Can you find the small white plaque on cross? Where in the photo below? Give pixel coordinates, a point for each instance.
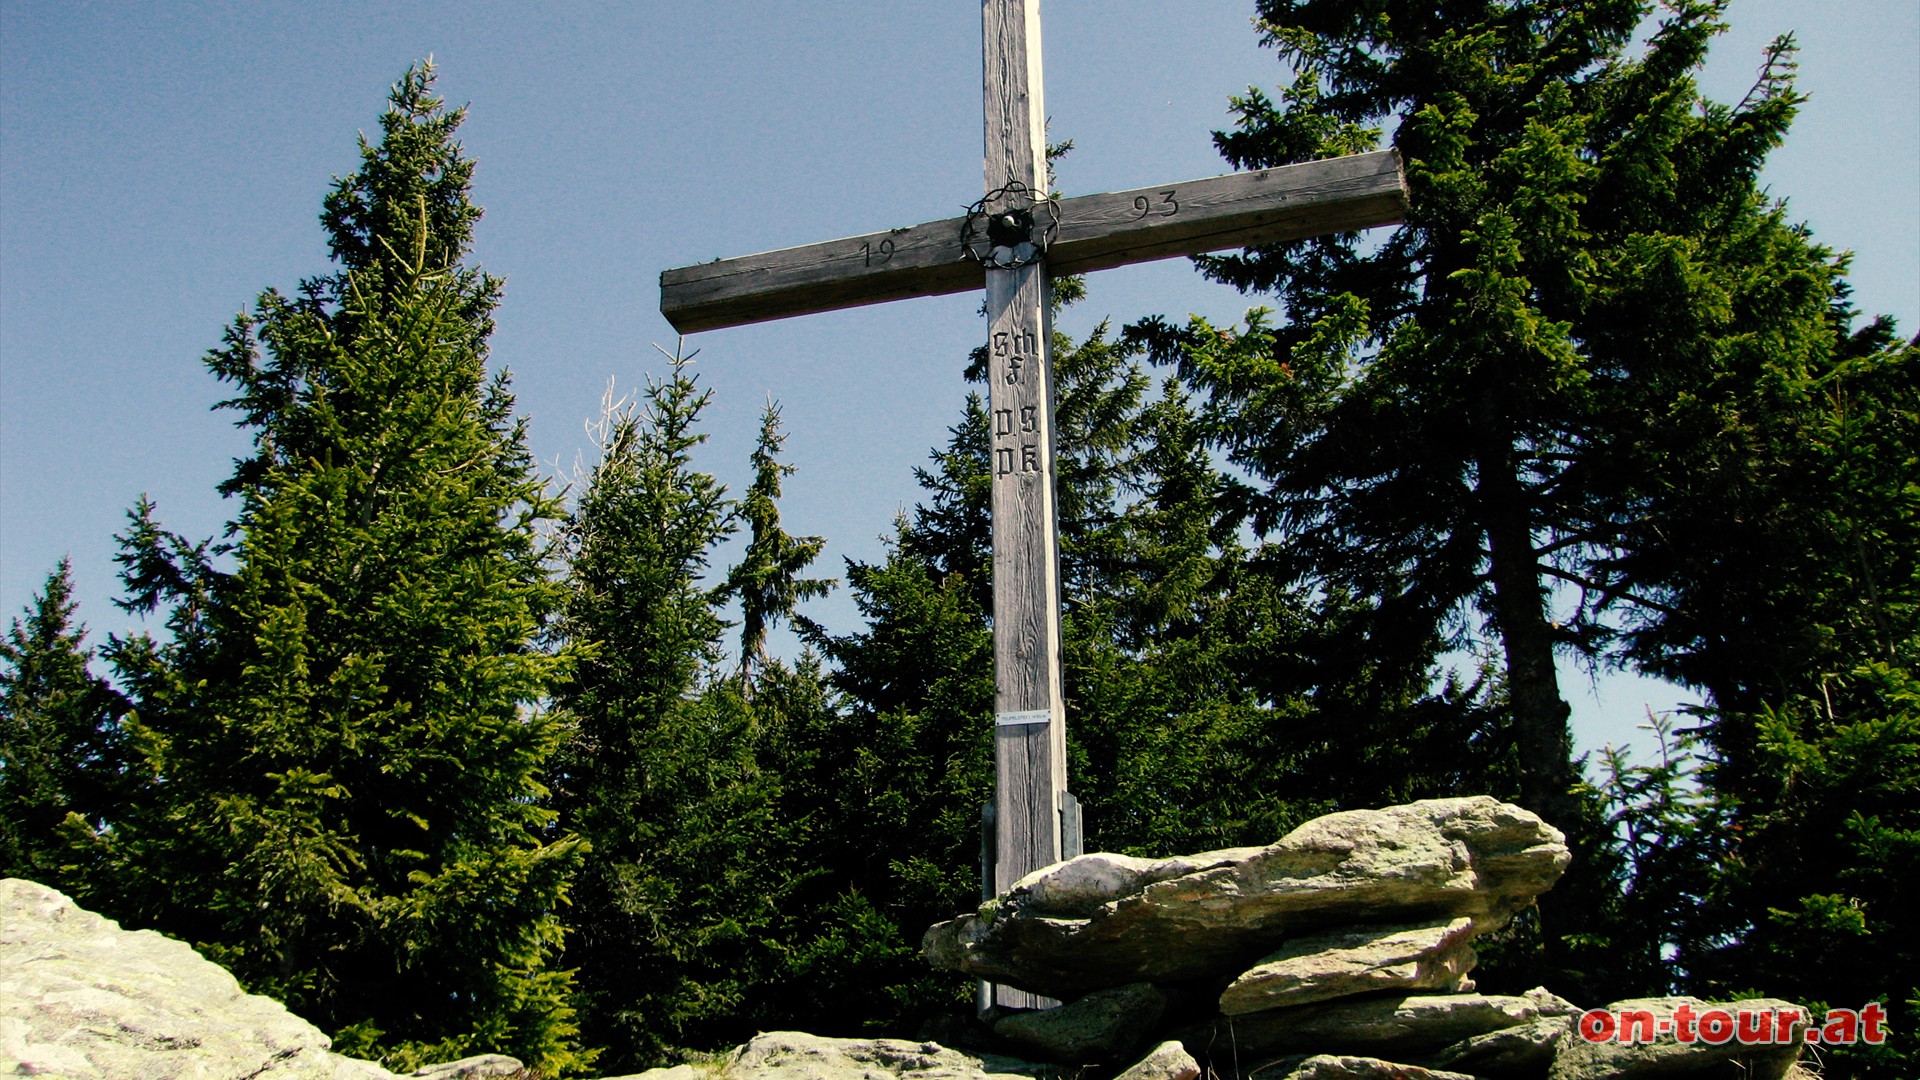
(1010, 245)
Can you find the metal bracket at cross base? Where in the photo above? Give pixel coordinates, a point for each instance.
(1073, 843)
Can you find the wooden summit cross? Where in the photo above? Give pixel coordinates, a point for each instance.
(1010, 242)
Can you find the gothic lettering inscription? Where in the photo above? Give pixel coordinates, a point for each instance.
(1011, 349)
(1029, 421)
(1015, 341)
(1019, 424)
(1029, 461)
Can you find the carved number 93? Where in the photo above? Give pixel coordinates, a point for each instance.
(877, 255)
(1143, 206)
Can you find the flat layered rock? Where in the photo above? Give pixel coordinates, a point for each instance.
(795, 1055)
(1104, 920)
(1515, 1053)
(1102, 1028)
(477, 1067)
(667, 1072)
(1398, 1026)
(1422, 956)
(81, 999)
(1168, 1061)
(1578, 1058)
(1338, 1067)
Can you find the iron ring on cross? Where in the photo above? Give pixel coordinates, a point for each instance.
(1006, 228)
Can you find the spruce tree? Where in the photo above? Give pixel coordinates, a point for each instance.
(907, 763)
(767, 579)
(1461, 417)
(1787, 594)
(342, 727)
(1420, 420)
(63, 750)
(679, 924)
(1599, 359)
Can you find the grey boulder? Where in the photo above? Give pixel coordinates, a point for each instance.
(1577, 1058)
(1338, 1067)
(477, 1067)
(1102, 1028)
(1397, 1026)
(794, 1055)
(1168, 1061)
(81, 998)
(1427, 956)
(1104, 920)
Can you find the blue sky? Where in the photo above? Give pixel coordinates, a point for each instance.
(160, 164)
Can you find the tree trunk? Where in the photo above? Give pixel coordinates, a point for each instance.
(1544, 741)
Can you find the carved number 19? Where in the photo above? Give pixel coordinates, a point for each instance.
(874, 255)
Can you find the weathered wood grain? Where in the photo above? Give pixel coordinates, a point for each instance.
(1030, 760)
(923, 260)
(1242, 209)
(1023, 767)
(1096, 232)
(1026, 577)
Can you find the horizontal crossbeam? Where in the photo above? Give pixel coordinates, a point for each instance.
(1095, 232)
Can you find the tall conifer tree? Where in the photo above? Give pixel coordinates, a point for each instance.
(63, 750)
(1594, 359)
(1784, 559)
(677, 918)
(342, 726)
(767, 579)
(1420, 423)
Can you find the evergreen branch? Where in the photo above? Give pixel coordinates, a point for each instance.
(1608, 593)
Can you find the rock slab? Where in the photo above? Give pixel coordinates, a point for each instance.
(1102, 1028)
(1518, 1052)
(1666, 1055)
(1391, 1026)
(1337, 1067)
(1168, 1061)
(1105, 920)
(477, 1067)
(794, 1055)
(82, 999)
(1427, 956)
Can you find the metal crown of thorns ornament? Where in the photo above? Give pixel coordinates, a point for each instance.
(1010, 226)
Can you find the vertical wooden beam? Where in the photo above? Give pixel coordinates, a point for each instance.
(1030, 722)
